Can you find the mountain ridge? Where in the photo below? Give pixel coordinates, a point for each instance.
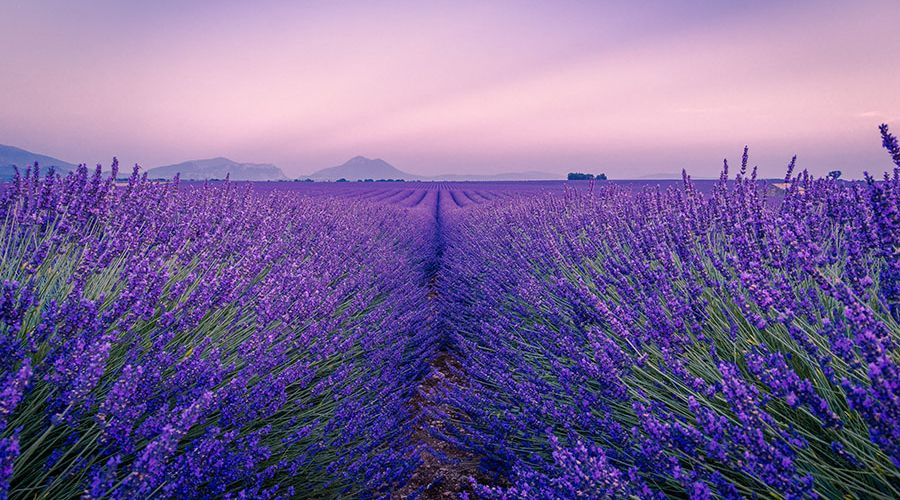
(356, 168)
(218, 168)
(361, 168)
(12, 156)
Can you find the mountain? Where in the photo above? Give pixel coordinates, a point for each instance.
(360, 167)
(218, 168)
(12, 156)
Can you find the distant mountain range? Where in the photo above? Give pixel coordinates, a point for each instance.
(218, 168)
(360, 167)
(11, 156)
(356, 168)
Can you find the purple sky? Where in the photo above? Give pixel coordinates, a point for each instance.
(629, 88)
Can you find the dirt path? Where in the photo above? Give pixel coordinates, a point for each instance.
(445, 469)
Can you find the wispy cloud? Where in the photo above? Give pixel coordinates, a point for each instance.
(877, 116)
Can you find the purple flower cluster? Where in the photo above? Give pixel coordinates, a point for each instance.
(738, 342)
(734, 338)
(184, 340)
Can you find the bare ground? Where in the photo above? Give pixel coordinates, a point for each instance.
(446, 469)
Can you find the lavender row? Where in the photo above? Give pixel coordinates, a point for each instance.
(184, 341)
(674, 342)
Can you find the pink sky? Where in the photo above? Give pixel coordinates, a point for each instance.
(454, 87)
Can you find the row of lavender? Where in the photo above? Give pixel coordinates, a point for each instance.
(205, 340)
(675, 343)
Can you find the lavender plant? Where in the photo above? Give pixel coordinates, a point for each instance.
(234, 340)
(675, 343)
(183, 341)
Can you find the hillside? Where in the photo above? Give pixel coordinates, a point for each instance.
(360, 167)
(12, 156)
(218, 168)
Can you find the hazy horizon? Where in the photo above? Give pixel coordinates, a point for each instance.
(454, 88)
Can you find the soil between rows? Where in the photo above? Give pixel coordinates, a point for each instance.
(445, 470)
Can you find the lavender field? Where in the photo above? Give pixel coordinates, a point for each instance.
(694, 339)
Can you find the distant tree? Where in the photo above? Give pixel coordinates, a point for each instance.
(600, 177)
(834, 174)
(578, 176)
(341, 180)
(368, 180)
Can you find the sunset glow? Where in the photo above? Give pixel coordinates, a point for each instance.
(453, 87)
